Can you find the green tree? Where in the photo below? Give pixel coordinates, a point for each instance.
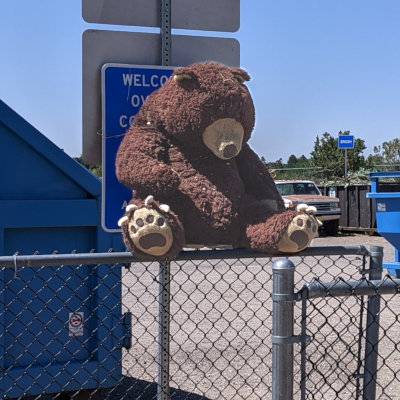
(95, 170)
(375, 159)
(292, 161)
(304, 161)
(277, 164)
(327, 155)
(389, 152)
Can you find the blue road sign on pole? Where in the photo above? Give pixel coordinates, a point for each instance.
(124, 90)
(346, 142)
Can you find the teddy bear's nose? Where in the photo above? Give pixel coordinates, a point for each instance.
(230, 151)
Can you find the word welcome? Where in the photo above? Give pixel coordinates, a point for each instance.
(142, 80)
(137, 100)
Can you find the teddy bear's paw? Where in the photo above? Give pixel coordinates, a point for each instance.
(299, 233)
(148, 230)
(306, 208)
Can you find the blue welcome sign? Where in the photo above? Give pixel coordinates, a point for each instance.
(124, 90)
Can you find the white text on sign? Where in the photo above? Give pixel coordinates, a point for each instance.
(136, 100)
(142, 80)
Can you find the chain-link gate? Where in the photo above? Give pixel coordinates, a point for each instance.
(199, 327)
(348, 335)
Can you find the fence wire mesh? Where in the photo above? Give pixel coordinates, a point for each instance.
(64, 328)
(334, 352)
(338, 325)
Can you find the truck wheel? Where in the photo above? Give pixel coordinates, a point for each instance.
(331, 227)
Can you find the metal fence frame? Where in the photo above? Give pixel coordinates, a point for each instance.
(283, 297)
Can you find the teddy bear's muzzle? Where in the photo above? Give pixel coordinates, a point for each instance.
(224, 137)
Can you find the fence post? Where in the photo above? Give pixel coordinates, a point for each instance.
(163, 392)
(282, 329)
(372, 328)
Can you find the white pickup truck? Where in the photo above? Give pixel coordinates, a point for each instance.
(295, 192)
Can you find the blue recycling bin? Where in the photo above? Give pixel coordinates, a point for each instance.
(387, 216)
(61, 327)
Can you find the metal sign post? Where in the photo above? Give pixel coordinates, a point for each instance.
(345, 142)
(165, 32)
(164, 316)
(124, 92)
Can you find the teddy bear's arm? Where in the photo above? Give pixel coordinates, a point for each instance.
(142, 163)
(256, 177)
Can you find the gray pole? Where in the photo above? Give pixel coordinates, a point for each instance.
(372, 331)
(345, 163)
(282, 329)
(163, 392)
(166, 32)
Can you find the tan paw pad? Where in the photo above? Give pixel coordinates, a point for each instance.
(299, 234)
(150, 232)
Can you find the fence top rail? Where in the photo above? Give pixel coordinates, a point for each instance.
(340, 288)
(110, 257)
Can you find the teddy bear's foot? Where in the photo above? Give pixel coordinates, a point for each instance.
(299, 233)
(147, 229)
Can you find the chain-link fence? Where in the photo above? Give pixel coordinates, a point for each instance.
(108, 326)
(351, 331)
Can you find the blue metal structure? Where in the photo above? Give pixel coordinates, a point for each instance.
(387, 216)
(49, 202)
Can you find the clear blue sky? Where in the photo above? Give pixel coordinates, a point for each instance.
(316, 66)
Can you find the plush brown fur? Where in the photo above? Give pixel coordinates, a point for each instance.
(213, 201)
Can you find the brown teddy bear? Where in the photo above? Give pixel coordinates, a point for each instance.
(196, 181)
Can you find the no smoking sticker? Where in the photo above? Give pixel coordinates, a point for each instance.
(75, 324)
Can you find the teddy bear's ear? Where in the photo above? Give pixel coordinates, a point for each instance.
(182, 77)
(241, 75)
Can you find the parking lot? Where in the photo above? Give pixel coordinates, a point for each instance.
(355, 239)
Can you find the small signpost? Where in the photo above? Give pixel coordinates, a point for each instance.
(106, 46)
(124, 90)
(345, 142)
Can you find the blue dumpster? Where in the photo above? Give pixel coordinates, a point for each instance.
(387, 216)
(49, 202)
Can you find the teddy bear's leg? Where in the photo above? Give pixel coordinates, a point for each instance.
(150, 228)
(287, 232)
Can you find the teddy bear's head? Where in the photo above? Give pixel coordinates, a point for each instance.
(203, 104)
